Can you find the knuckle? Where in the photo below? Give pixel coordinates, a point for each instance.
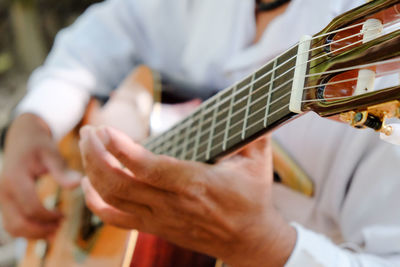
(154, 174)
(195, 189)
(13, 228)
(109, 198)
(30, 212)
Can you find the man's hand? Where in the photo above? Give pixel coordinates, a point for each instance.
(223, 210)
(29, 153)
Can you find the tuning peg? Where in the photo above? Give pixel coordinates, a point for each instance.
(391, 133)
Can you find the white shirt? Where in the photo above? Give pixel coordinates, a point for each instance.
(209, 42)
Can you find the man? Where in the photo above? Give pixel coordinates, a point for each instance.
(229, 210)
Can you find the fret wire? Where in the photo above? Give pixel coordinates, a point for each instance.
(156, 140)
(244, 98)
(280, 65)
(249, 127)
(160, 142)
(167, 140)
(228, 121)
(214, 118)
(157, 149)
(196, 146)
(288, 60)
(262, 119)
(251, 115)
(259, 99)
(186, 140)
(267, 107)
(176, 141)
(179, 130)
(251, 84)
(228, 127)
(238, 111)
(248, 106)
(192, 131)
(165, 146)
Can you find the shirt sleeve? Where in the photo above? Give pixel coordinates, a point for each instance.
(369, 218)
(315, 250)
(88, 58)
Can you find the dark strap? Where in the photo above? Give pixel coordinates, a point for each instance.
(262, 7)
(3, 133)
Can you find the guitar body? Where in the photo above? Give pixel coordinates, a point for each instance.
(82, 240)
(79, 241)
(108, 243)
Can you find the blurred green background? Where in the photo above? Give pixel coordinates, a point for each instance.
(27, 31)
(28, 28)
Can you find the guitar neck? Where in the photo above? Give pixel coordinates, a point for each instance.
(233, 117)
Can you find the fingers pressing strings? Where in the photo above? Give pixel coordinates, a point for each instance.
(155, 170)
(112, 181)
(112, 215)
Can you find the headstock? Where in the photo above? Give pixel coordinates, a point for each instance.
(346, 58)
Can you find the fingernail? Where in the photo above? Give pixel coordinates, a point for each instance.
(84, 132)
(102, 133)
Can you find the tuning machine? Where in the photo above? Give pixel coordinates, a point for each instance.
(375, 117)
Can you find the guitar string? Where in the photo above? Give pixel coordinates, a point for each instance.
(263, 110)
(238, 133)
(355, 35)
(256, 102)
(397, 59)
(239, 122)
(247, 128)
(285, 63)
(348, 80)
(252, 84)
(252, 104)
(258, 89)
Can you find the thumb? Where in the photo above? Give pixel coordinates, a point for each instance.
(56, 167)
(258, 148)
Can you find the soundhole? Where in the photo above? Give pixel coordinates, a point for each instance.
(89, 229)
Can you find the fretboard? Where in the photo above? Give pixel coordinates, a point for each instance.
(233, 117)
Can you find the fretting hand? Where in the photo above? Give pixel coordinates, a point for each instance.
(223, 210)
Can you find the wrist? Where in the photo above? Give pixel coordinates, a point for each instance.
(32, 123)
(26, 126)
(274, 245)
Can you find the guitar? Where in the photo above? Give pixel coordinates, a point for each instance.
(331, 73)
